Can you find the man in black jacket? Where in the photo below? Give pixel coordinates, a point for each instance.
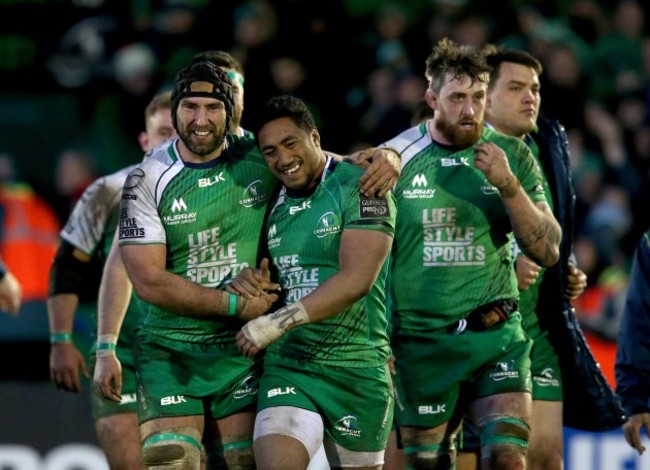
(633, 348)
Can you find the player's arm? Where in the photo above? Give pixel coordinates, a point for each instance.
(114, 297)
(383, 167)
(154, 284)
(67, 274)
(361, 257)
(533, 224)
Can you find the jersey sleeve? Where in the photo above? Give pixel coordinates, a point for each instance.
(369, 213)
(139, 221)
(529, 174)
(85, 227)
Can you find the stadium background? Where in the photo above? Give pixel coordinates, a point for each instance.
(75, 76)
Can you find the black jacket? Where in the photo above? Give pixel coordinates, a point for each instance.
(589, 402)
(633, 351)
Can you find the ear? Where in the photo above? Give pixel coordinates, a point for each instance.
(143, 140)
(432, 98)
(315, 137)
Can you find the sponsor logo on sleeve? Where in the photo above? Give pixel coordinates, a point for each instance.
(372, 207)
(135, 179)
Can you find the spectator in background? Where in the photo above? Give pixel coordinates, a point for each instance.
(74, 172)
(633, 355)
(10, 291)
(29, 233)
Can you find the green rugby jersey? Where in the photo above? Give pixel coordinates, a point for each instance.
(304, 238)
(528, 298)
(452, 249)
(208, 215)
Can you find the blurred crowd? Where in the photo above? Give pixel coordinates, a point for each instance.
(359, 64)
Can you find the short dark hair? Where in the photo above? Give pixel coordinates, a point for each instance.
(497, 55)
(221, 59)
(284, 106)
(459, 60)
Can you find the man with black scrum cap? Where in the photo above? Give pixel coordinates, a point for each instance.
(189, 222)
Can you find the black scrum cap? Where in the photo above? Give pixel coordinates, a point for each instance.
(203, 79)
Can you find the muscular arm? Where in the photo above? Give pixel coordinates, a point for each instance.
(145, 265)
(114, 293)
(535, 228)
(114, 297)
(361, 256)
(383, 167)
(154, 284)
(66, 274)
(533, 224)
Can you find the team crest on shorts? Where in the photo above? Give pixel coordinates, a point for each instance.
(347, 426)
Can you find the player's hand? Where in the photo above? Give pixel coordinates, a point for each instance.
(576, 282)
(391, 365)
(632, 430)
(493, 163)
(251, 283)
(258, 305)
(108, 377)
(65, 363)
(383, 168)
(527, 272)
(11, 294)
(245, 345)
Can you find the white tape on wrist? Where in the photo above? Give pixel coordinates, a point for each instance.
(267, 329)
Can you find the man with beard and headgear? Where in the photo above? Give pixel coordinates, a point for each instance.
(465, 192)
(189, 216)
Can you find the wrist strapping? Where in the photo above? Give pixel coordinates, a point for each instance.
(266, 329)
(59, 338)
(228, 304)
(106, 345)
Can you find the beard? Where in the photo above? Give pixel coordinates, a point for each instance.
(459, 137)
(203, 147)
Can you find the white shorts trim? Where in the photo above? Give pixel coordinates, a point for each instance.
(303, 425)
(307, 427)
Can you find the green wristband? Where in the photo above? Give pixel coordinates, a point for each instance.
(106, 346)
(232, 309)
(56, 338)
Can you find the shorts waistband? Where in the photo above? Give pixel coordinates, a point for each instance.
(486, 316)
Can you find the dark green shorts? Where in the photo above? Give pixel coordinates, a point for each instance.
(544, 368)
(183, 379)
(433, 365)
(356, 405)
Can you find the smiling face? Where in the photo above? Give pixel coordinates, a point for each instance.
(513, 100)
(293, 154)
(458, 111)
(201, 124)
